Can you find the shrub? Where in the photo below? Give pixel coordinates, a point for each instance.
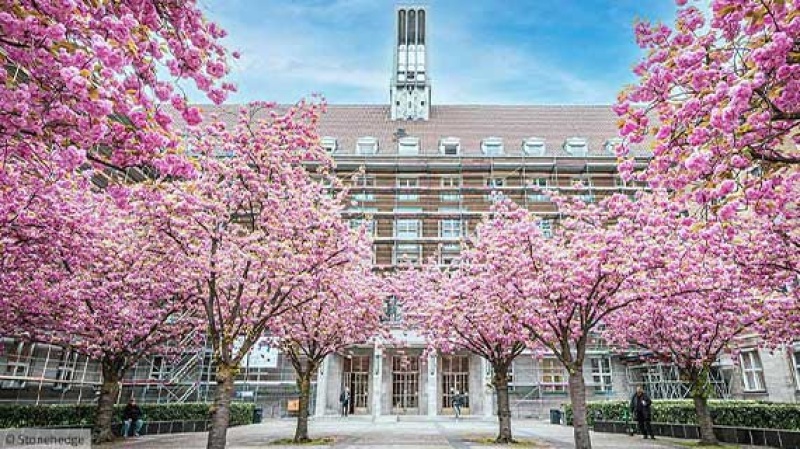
(765, 415)
(83, 415)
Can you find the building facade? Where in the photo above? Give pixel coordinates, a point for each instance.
(422, 176)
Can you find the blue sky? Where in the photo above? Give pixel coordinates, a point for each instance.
(491, 52)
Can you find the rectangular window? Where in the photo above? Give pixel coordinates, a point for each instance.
(17, 364)
(66, 370)
(356, 223)
(407, 253)
(450, 228)
(408, 146)
(553, 377)
(407, 229)
(407, 189)
(329, 144)
(367, 146)
(495, 183)
(492, 146)
(362, 187)
(159, 369)
(796, 358)
(391, 310)
(450, 146)
(752, 371)
(449, 254)
(546, 226)
(601, 374)
(451, 185)
(538, 189)
(583, 188)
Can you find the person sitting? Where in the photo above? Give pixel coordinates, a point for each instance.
(132, 414)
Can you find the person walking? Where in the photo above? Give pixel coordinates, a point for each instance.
(458, 402)
(640, 408)
(132, 414)
(344, 400)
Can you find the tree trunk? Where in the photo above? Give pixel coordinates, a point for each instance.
(577, 396)
(221, 410)
(301, 432)
(707, 436)
(503, 406)
(105, 402)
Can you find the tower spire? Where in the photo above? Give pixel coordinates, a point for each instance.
(410, 93)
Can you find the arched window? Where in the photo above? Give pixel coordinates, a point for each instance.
(421, 21)
(412, 27)
(401, 27)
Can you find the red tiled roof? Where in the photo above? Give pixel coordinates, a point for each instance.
(469, 123)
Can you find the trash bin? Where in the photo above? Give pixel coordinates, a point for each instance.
(258, 415)
(555, 416)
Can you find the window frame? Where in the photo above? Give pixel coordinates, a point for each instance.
(364, 182)
(600, 376)
(577, 146)
(405, 143)
(538, 196)
(329, 144)
(555, 371)
(407, 197)
(537, 143)
(796, 366)
(757, 372)
(367, 141)
(397, 258)
(447, 142)
(450, 196)
(496, 143)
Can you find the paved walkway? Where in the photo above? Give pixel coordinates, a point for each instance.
(359, 433)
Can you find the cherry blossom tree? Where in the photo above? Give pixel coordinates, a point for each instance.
(600, 259)
(252, 229)
(722, 302)
(459, 309)
(717, 101)
(115, 304)
(82, 84)
(343, 307)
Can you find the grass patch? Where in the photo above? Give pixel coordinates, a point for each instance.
(312, 442)
(518, 442)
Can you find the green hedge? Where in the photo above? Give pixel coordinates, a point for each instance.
(83, 415)
(757, 414)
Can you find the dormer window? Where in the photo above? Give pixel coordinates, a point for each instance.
(576, 146)
(612, 145)
(492, 146)
(533, 146)
(450, 146)
(367, 145)
(408, 146)
(329, 144)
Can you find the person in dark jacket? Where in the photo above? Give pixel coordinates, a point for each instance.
(344, 399)
(132, 414)
(640, 408)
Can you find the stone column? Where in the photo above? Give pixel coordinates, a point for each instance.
(433, 396)
(322, 387)
(486, 390)
(377, 380)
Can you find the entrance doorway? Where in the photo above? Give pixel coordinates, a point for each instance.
(405, 385)
(356, 377)
(455, 377)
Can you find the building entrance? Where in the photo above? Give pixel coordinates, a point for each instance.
(405, 385)
(455, 378)
(356, 377)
